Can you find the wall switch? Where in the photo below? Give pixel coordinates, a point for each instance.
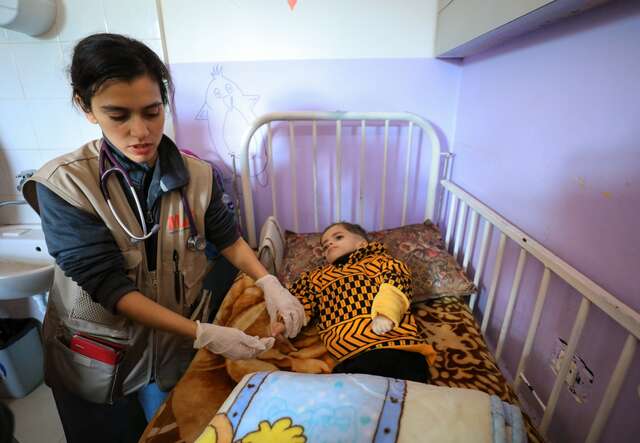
(579, 378)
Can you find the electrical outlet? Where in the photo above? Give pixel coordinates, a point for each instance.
(579, 378)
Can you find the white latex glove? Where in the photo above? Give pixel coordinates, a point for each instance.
(381, 325)
(231, 343)
(280, 301)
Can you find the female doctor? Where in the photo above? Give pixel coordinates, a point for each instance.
(126, 218)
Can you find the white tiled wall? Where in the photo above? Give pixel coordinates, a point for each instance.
(37, 119)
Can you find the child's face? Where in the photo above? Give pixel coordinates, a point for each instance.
(337, 241)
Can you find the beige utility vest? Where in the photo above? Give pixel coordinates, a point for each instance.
(148, 353)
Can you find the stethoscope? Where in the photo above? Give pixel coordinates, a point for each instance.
(195, 242)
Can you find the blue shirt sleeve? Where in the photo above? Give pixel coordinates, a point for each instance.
(84, 249)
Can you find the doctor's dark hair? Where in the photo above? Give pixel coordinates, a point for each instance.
(351, 227)
(101, 58)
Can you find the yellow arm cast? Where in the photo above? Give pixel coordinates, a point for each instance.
(390, 302)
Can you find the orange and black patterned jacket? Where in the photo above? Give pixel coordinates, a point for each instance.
(340, 296)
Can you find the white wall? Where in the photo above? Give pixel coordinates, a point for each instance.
(37, 120)
(241, 30)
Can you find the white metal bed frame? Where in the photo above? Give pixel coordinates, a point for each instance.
(460, 202)
(338, 117)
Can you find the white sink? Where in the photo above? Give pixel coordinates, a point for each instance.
(26, 268)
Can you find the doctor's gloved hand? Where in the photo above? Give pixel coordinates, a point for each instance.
(281, 305)
(231, 343)
(381, 324)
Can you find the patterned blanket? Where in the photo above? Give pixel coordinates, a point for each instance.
(463, 361)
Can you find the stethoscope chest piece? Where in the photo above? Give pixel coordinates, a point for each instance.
(196, 243)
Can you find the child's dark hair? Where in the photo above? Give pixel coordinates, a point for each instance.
(100, 58)
(351, 227)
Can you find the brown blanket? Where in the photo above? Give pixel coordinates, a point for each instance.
(463, 361)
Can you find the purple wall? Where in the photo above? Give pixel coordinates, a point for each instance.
(548, 135)
(216, 102)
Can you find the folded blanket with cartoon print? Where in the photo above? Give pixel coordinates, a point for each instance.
(287, 407)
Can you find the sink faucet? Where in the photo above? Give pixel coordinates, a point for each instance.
(22, 177)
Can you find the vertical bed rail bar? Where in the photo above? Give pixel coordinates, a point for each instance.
(447, 156)
(533, 327)
(452, 215)
(434, 172)
(363, 140)
(513, 297)
(272, 170)
(576, 332)
(613, 389)
(314, 142)
(294, 177)
(462, 218)
(338, 195)
(406, 176)
(494, 283)
(471, 240)
(384, 172)
(484, 249)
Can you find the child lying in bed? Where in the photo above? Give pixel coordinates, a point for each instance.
(360, 301)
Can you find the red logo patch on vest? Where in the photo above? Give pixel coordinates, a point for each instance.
(177, 222)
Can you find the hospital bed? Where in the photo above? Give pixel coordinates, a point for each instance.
(387, 172)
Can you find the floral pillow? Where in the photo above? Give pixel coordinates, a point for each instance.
(435, 272)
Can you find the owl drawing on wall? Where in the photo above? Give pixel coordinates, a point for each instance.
(229, 113)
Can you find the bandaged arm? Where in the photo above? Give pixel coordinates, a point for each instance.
(390, 302)
(394, 296)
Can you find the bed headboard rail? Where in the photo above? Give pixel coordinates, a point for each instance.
(339, 118)
(460, 202)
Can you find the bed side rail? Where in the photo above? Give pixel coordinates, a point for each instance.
(592, 294)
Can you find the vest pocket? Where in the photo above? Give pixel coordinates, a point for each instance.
(85, 309)
(90, 379)
(192, 282)
(101, 320)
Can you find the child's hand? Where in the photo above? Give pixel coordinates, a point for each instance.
(381, 324)
(281, 305)
(278, 329)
